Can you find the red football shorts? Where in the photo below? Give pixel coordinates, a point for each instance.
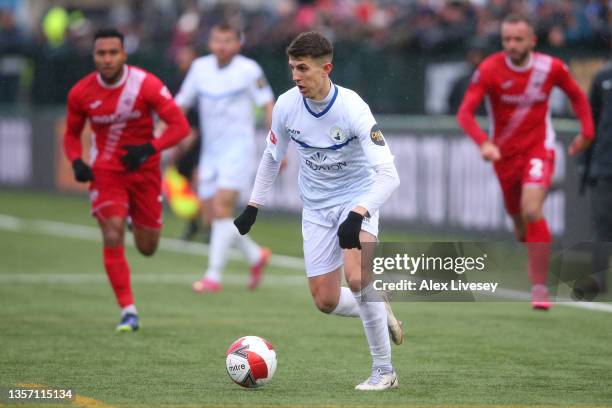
(137, 194)
(534, 168)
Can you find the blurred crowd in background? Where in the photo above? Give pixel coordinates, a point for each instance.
(53, 46)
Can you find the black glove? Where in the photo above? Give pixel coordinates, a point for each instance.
(348, 232)
(136, 155)
(245, 221)
(82, 172)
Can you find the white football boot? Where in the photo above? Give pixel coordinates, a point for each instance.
(378, 381)
(396, 329)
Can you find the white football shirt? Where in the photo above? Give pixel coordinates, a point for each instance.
(225, 99)
(338, 145)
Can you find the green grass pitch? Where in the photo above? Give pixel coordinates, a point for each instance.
(57, 315)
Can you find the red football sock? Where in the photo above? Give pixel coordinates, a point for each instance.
(538, 241)
(118, 272)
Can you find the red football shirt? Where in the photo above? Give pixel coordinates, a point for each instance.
(119, 115)
(517, 102)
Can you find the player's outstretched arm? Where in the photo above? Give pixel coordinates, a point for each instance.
(269, 167)
(75, 121)
(385, 181)
(177, 128)
(467, 111)
(266, 174)
(161, 101)
(580, 105)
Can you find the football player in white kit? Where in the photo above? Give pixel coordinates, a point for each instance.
(226, 86)
(346, 174)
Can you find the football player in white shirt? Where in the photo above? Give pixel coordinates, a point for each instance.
(225, 85)
(346, 174)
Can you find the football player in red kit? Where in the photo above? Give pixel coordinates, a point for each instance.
(119, 101)
(516, 83)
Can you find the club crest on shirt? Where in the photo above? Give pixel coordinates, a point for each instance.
(376, 136)
(337, 134)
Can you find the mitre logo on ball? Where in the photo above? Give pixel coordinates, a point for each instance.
(250, 361)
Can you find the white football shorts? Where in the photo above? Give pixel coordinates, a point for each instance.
(322, 252)
(233, 170)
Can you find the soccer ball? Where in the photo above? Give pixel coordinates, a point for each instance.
(250, 361)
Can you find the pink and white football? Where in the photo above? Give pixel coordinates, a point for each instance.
(250, 361)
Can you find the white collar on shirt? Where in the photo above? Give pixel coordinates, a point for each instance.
(118, 83)
(516, 68)
(319, 106)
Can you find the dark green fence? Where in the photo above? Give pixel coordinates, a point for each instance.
(391, 81)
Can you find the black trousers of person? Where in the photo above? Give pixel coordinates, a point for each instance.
(601, 216)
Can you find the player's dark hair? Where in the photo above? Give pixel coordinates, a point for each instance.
(108, 33)
(227, 26)
(310, 44)
(518, 18)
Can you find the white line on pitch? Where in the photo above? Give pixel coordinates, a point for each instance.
(144, 278)
(61, 229)
(65, 230)
(526, 296)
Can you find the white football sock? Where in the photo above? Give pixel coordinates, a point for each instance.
(347, 305)
(374, 317)
(221, 240)
(249, 248)
(129, 309)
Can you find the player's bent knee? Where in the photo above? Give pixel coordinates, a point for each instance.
(146, 240)
(112, 230)
(531, 214)
(147, 249)
(112, 238)
(326, 305)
